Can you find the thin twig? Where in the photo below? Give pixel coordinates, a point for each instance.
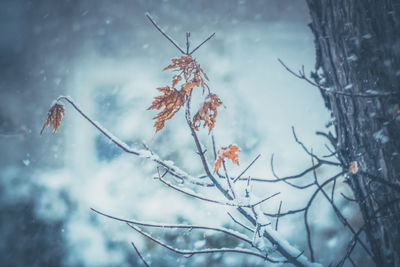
(350, 247)
(244, 171)
(340, 216)
(163, 33)
(327, 162)
(140, 255)
(277, 218)
(202, 251)
(348, 198)
(197, 47)
(187, 43)
(333, 190)
(301, 75)
(282, 214)
(212, 200)
(239, 223)
(229, 232)
(214, 146)
(265, 199)
(228, 179)
(284, 179)
(201, 197)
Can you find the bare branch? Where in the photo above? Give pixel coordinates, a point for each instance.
(244, 171)
(203, 251)
(340, 216)
(163, 33)
(277, 218)
(197, 47)
(301, 75)
(187, 43)
(347, 198)
(265, 199)
(239, 223)
(140, 255)
(229, 232)
(199, 196)
(312, 154)
(228, 179)
(350, 247)
(172, 169)
(284, 179)
(282, 214)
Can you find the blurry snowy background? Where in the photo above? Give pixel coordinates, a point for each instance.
(108, 57)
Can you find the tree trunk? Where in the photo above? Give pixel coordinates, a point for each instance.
(358, 50)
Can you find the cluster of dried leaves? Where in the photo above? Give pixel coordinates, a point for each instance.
(54, 117)
(189, 75)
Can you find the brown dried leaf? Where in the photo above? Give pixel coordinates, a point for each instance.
(207, 113)
(175, 80)
(54, 117)
(202, 72)
(226, 152)
(172, 100)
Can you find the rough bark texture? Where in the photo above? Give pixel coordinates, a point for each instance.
(358, 51)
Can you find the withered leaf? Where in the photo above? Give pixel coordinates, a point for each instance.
(172, 100)
(190, 75)
(175, 80)
(207, 113)
(229, 152)
(54, 117)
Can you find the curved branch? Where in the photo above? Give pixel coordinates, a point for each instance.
(173, 170)
(178, 226)
(190, 253)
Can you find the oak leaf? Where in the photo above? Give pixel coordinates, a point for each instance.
(172, 100)
(190, 76)
(54, 117)
(229, 152)
(207, 113)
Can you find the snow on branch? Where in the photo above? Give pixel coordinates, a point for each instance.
(169, 165)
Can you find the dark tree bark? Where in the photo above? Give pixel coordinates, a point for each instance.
(358, 51)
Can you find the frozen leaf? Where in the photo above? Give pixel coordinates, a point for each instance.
(226, 152)
(207, 113)
(54, 117)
